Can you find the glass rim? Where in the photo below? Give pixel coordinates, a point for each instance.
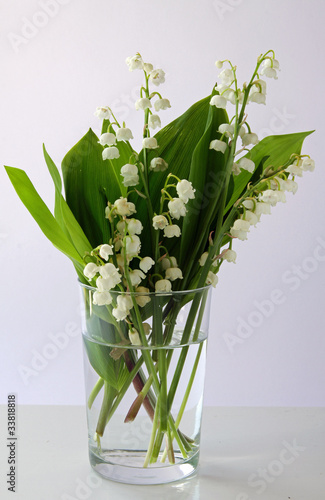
(155, 293)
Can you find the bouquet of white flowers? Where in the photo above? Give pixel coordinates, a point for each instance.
(147, 233)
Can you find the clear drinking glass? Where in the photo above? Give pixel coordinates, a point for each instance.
(144, 399)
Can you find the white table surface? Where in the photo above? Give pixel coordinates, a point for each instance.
(285, 445)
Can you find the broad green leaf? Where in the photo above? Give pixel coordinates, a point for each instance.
(277, 149)
(42, 215)
(113, 371)
(63, 214)
(207, 177)
(89, 182)
(177, 142)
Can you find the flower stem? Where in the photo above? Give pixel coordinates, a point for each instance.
(94, 393)
(109, 396)
(153, 435)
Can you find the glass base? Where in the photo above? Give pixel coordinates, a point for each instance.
(126, 466)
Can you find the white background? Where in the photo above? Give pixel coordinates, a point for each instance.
(53, 78)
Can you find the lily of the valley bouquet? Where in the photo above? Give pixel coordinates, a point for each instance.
(147, 233)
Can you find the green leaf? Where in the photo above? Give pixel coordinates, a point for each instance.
(90, 181)
(277, 149)
(207, 177)
(113, 371)
(177, 142)
(42, 215)
(63, 214)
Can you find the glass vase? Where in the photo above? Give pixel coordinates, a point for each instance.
(144, 379)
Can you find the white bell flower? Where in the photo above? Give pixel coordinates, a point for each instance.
(102, 298)
(120, 314)
(257, 97)
(259, 86)
(226, 129)
(163, 286)
(134, 226)
(136, 277)
(269, 68)
(172, 230)
(249, 138)
(203, 258)
(159, 222)
(123, 134)
(281, 196)
(257, 92)
(124, 305)
(134, 62)
(143, 298)
(162, 104)
(295, 169)
(158, 165)
(251, 217)
(230, 255)
(132, 245)
(157, 76)
(146, 263)
(102, 112)
(238, 233)
(111, 273)
(105, 251)
(177, 208)
(134, 337)
(241, 225)
(166, 263)
(230, 95)
(185, 190)
(90, 270)
(290, 186)
(218, 101)
(235, 170)
(218, 145)
(262, 208)
(249, 204)
(174, 273)
(154, 121)
(308, 164)
(246, 164)
(120, 226)
(130, 175)
(150, 143)
(240, 229)
(212, 279)
(148, 67)
(107, 139)
(272, 197)
(110, 153)
(226, 76)
(143, 103)
(124, 207)
(219, 64)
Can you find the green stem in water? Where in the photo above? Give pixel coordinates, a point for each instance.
(94, 393)
(153, 435)
(109, 396)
